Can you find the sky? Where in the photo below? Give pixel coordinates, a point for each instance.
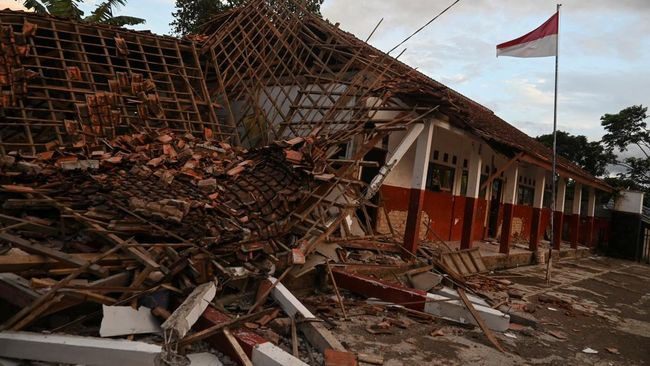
(604, 52)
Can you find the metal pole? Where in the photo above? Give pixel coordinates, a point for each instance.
(554, 169)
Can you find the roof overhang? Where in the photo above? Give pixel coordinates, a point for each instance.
(592, 182)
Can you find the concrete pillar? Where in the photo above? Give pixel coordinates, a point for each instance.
(536, 229)
(591, 213)
(475, 164)
(509, 201)
(418, 184)
(574, 227)
(558, 214)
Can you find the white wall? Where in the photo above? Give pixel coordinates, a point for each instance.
(400, 176)
(629, 201)
(276, 102)
(444, 141)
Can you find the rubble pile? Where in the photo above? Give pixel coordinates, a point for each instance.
(180, 237)
(208, 194)
(144, 219)
(156, 207)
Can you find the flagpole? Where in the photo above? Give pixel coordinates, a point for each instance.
(554, 168)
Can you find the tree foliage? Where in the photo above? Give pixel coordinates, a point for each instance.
(591, 156)
(191, 15)
(102, 14)
(627, 131)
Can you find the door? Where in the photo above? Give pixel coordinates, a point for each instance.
(495, 203)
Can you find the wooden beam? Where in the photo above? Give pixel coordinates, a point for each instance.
(488, 333)
(52, 253)
(18, 263)
(242, 357)
(501, 170)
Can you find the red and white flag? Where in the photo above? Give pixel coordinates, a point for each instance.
(541, 42)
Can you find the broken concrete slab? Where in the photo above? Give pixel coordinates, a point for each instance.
(455, 310)
(453, 294)
(184, 317)
(315, 332)
(519, 317)
(71, 349)
(289, 303)
(125, 320)
(268, 354)
(425, 281)
(204, 359)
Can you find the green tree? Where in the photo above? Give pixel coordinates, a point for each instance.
(627, 131)
(191, 15)
(102, 14)
(591, 156)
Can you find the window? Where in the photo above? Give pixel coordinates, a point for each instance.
(463, 183)
(483, 190)
(525, 195)
(547, 197)
(440, 178)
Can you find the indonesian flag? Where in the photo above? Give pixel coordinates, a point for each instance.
(541, 42)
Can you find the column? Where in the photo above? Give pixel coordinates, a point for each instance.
(558, 214)
(458, 174)
(536, 229)
(473, 186)
(574, 227)
(418, 183)
(591, 213)
(509, 201)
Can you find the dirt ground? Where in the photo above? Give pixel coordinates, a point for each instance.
(595, 303)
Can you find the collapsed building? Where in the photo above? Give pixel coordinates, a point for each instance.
(133, 163)
(470, 175)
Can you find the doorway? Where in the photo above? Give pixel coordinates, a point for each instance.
(367, 174)
(495, 204)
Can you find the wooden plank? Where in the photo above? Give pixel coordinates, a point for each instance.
(210, 331)
(18, 263)
(52, 253)
(29, 225)
(475, 256)
(458, 263)
(142, 256)
(467, 261)
(370, 245)
(488, 333)
(294, 338)
(449, 263)
(241, 355)
(27, 314)
(16, 290)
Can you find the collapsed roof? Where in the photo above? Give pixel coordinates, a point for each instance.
(264, 45)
